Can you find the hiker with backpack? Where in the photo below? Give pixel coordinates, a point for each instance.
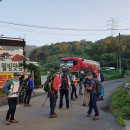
(64, 89)
(29, 87)
(81, 81)
(93, 96)
(73, 84)
(97, 79)
(86, 94)
(53, 93)
(21, 89)
(102, 90)
(11, 88)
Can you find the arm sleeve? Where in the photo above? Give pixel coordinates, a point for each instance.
(56, 83)
(5, 87)
(31, 82)
(69, 81)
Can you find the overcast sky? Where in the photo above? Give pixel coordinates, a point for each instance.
(96, 16)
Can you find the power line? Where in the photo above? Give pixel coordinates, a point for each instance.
(51, 28)
(48, 33)
(113, 29)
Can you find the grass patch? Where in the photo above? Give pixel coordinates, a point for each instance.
(121, 105)
(113, 74)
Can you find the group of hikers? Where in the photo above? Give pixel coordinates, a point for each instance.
(90, 87)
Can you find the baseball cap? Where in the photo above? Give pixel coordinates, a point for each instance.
(89, 74)
(16, 74)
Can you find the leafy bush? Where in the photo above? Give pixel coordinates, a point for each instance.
(37, 76)
(109, 75)
(121, 105)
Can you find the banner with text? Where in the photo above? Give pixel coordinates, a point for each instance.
(11, 61)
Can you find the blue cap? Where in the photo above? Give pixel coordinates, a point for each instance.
(89, 74)
(16, 74)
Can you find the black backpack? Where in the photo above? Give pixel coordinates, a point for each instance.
(98, 87)
(64, 81)
(25, 85)
(86, 82)
(48, 84)
(102, 77)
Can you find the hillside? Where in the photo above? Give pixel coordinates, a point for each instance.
(105, 51)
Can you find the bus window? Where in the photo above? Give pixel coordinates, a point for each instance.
(75, 63)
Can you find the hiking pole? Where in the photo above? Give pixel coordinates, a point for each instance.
(34, 94)
(70, 96)
(45, 101)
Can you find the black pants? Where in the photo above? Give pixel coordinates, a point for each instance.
(12, 102)
(21, 96)
(93, 104)
(53, 99)
(73, 92)
(27, 97)
(80, 87)
(62, 93)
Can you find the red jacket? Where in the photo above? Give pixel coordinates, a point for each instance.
(56, 82)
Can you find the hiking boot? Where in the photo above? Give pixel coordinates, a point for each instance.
(53, 116)
(101, 98)
(7, 122)
(67, 108)
(14, 121)
(84, 105)
(76, 96)
(98, 99)
(88, 115)
(96, 118)
(60, 108)
(28, 105)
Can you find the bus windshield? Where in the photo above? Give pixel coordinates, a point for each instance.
(66, 63)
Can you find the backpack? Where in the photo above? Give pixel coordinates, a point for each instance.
(8, 80)
(64, 81)
(25, 85)
(48, 83)
(98, 87)
(102, 77)
(86, 82)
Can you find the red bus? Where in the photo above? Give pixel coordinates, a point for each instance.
(77, 63)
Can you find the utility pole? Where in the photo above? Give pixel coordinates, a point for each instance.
(112, 24)
(117, 59)
(112, 27)
(120, 67)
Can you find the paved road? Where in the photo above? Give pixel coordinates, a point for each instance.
(36, 117)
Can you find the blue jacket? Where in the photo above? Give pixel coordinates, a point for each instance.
(11, 87)
(31, 84)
